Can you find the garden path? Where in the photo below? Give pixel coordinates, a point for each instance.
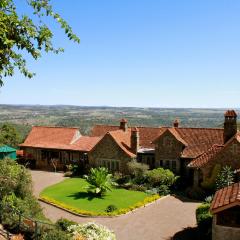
(160, 220)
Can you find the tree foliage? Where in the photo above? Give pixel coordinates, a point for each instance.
(159, 176)
(19, 34)
(100, 181)
(225, 178)
(16, 193)
(9, 135)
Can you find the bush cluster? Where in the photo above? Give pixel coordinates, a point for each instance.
(204, 220)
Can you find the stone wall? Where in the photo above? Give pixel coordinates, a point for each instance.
(230, 156)
(167, 150)
(109, 150)
(224, 233)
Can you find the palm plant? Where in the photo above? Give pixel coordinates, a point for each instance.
(100, 181)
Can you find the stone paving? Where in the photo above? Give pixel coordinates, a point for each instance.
(160, 220)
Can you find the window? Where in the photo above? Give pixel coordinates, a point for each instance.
(174, 166)
(110, 164)
(161, 163)
(167, 164)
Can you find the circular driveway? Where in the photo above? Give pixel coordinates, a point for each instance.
(160, 220)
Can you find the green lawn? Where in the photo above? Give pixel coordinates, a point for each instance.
(72, 193)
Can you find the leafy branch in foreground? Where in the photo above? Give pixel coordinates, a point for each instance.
(19, 34)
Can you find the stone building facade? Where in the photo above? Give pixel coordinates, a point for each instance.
(107, 153)
(207, 165)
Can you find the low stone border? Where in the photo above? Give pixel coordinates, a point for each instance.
(103, 216)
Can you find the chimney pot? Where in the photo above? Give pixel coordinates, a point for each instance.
(123, 125)
(176, 123)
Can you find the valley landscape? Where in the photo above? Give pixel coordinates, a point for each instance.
(23, 117)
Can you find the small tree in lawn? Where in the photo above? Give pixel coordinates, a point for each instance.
(225, 178)
(100, 181)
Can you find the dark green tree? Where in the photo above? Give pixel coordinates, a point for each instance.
(9, 135)
(23, 33)
(225, 178)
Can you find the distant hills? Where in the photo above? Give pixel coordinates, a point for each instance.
(25, 116)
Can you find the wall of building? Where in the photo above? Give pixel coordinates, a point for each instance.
(108, 150)
(224, 233)
(230, 156)
(167, 151)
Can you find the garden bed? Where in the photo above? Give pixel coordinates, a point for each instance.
(71, 194)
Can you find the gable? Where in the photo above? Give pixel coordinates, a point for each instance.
(168, 136)
(108, 147)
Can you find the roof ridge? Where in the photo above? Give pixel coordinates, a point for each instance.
(55, 127)
(154, 127)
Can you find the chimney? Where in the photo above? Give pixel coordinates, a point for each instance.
(135, 140)
(230, 125)
(123, 125)
(176, 123)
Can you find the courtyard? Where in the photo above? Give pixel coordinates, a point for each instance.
(160, 220)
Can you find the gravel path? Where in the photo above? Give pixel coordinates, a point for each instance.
(160, 220)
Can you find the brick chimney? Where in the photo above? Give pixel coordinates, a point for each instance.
(176, 123)
(230, 124)
(135, 139)
(123, 125)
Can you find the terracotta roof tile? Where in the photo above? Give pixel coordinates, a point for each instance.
(196, 140)
(225, 198)
(123, 139)
(207, 156)
(59, 138)
(146, 134)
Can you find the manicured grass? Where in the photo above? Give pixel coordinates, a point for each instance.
(72, 192)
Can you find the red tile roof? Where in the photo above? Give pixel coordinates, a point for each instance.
(123, 139)
(226, 198)
(174, 133)
(146, 134)
(85, 143)
(207, 156)
(196, 140)
(58, 138)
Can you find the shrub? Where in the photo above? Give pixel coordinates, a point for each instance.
(195, 193)
(27, 207)
(160, 176)
(16, 193)
(225, 177)
(152, 191)
(55, 234)
(163, 190)
(137, 170)
(100, 181)
(111, 208)
(204, 220)
(91, 231)
(15, 179)
(64, 223)
(208, 199)
(136, 187)
(68, 174)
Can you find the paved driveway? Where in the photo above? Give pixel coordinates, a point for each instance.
(160, 220)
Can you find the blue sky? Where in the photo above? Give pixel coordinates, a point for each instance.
(158, 53)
